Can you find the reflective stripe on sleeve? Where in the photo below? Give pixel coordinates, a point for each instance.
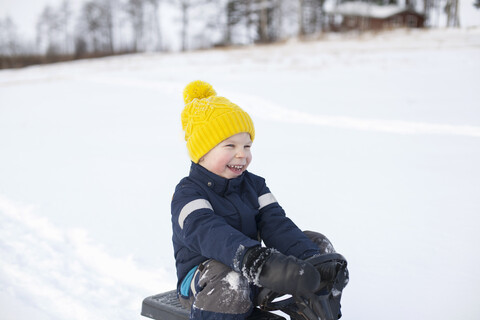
(192, 206)
(265, 200)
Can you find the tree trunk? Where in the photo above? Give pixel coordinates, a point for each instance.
(184, 25)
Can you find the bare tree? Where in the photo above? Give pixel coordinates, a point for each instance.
(135, 11)
(311, 17)
(185, 7)
(301, 19)
(265, 16)
(108, 11)
(154, 16)
(233, 15)
(239, 18)
(54, 29)
(451, 10)
(95, 29)
(64, 17)
(9, 45)
(48, 31)
(261, 19)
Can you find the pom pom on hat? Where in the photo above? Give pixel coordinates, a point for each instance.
(197, 90)
(208, 119)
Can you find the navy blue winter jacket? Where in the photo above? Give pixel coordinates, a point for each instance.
(218, 218)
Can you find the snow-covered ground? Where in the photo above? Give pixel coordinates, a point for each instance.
(373, 141)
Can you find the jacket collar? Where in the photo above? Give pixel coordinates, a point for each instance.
(214, 182)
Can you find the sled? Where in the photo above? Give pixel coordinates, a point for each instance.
(165, 306)
(326, 306)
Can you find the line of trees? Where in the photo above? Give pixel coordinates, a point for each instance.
(433, 10)
(105, 27)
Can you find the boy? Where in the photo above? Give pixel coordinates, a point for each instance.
(221, 213)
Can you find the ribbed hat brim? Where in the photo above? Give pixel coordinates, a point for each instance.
(207, 135)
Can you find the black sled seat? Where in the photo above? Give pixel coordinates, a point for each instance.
(165, 306)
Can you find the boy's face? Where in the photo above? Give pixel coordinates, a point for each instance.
(230, 158)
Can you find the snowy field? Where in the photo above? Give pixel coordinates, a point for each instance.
(373, 141)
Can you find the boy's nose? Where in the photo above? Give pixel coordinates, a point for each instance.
(241, 154)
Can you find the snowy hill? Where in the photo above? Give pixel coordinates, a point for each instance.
(373, 141)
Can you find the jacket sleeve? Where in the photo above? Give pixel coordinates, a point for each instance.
(278, 231)
(201, 230)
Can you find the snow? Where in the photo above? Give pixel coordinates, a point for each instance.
(373, 141)
(365, 9)
(233, 281)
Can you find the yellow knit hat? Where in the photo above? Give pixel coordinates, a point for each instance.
(208, 119)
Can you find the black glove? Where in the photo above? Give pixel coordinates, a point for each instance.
(331, 266)
(279, 273)
(327, 270)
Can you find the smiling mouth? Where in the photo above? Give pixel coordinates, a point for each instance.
(236, 168)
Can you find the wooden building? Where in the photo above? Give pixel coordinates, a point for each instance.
(366, 16)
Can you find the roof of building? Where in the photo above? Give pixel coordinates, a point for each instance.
(365, 9)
